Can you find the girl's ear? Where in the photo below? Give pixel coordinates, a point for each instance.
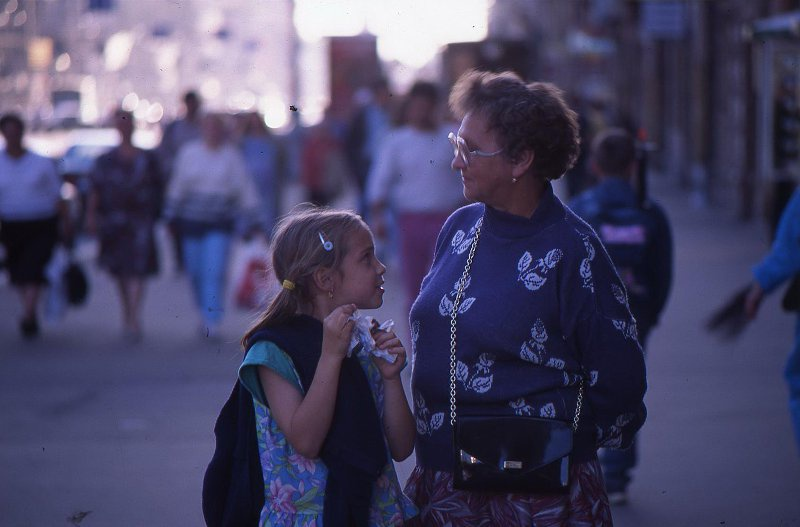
(523, 163)
(323, 278)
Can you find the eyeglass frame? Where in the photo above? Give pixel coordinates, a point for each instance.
(461, 149)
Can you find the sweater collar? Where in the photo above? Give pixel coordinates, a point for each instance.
(505, 225)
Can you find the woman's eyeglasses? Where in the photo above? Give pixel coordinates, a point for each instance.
(461, 150)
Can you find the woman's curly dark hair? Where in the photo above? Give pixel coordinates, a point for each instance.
(531, 116)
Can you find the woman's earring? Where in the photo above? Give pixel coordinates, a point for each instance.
(330, 294)
(514, 180)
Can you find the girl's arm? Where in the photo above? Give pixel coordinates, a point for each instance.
(305, 421)
(398, 422)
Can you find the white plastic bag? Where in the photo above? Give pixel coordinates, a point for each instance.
(55, 301)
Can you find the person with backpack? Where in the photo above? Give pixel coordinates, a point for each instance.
(326, 416)
(637, 235)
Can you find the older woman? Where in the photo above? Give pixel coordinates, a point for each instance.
(541, 316)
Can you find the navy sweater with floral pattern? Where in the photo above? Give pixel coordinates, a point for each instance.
(543, 306)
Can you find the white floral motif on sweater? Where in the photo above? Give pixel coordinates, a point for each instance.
(427, 424)
(586, 264)
(461, 241)
(611, 437)
(628, 328)
(480, 380)
(446, 303)
(533, 350)
(534, 274)
(619, 294)
(521, 407)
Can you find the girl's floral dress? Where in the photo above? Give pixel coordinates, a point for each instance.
(294, 486)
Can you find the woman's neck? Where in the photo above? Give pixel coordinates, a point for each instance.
(523, 197)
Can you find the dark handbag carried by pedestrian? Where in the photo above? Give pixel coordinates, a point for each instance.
(507, 453)
(76, 283)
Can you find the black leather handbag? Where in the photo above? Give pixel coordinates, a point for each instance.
(507, 453)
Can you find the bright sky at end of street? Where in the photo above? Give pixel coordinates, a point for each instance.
(408, 31)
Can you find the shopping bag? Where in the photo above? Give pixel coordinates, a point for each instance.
(253, 287)
(55, 300)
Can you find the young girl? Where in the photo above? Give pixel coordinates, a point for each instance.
(327, 420)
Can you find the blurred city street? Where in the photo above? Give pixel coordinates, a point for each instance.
(97, 432)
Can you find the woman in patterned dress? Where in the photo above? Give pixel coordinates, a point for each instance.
(122, 210)
(542, 313)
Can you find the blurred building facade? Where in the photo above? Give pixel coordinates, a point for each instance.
(699, 77)
(56, 54)
(691, 74)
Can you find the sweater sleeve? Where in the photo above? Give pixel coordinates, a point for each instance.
(603, 332)
(783, 259)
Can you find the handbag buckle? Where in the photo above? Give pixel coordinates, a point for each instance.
(512, 465)
(468, 459)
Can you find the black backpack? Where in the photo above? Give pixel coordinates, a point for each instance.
(627, 234)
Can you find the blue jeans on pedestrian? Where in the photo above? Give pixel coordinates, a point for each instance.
(205, 258)
(792, 375)
(617, 465)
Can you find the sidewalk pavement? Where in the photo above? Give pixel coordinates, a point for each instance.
(97, 432)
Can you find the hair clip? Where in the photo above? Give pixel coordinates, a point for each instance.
(327, 245)
(288, 285)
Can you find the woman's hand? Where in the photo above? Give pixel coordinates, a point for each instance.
(337, 329)
(388, 341)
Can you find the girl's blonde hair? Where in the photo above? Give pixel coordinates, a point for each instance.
(299, 249)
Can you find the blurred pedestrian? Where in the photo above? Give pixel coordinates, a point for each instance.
(323, 166)
(365, 133)
(210, 198)
(779, 265)
(638, 238)
(413, 178)
(176, 134)
(521, 316)
(123, 207)
(30, 207)
(325, 423)
(263, 157)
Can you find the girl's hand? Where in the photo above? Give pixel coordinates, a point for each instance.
(336, 331)
(388, 341)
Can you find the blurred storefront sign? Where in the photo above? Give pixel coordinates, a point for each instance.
(666, 19)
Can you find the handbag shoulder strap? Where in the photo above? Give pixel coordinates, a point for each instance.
(453, 315)
(456, 304)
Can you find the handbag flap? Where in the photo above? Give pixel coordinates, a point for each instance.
(512, 442)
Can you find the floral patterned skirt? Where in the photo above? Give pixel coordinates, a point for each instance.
(586, 504)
